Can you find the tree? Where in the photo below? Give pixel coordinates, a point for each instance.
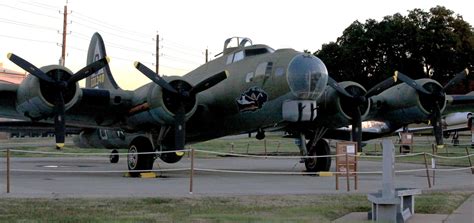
(435, 44)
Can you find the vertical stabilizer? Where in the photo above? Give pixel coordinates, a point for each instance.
(103, 78)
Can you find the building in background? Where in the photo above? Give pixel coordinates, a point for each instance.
(9, 77)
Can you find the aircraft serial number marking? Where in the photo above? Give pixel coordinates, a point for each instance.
(97, 79)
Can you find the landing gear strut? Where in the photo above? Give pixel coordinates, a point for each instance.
(316, 147)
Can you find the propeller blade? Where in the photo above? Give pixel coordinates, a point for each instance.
(333, 83)
(208, 83)
(458, 78)
(382, 86)
(30, 68)
(59, 121)
(88, 70)
(180, 127)
(154, 77)
(411, 83)
(357, 129)
(437, 125)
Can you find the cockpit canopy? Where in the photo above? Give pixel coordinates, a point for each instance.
(243, 49)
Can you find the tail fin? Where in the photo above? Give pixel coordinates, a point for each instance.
(103, 78)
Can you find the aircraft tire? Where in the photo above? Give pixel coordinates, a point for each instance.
(114, 157)
(137, 161)
(320, 163)
(170, 157)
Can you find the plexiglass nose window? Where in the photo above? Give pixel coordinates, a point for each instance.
(307, 76)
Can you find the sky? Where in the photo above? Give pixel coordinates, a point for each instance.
(32, 28)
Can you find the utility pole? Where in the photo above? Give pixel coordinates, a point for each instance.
(207, 53)
(157, 53)
(63, 50)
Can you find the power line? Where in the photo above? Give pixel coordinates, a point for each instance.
(179, 59)
(181, 51)
(116, 35)
(40, 5)
(29, 25)
(26, 39)
(28, 11)
(108, 26)
(180, 45)
(112, 44)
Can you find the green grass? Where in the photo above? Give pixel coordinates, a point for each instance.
(286, 208)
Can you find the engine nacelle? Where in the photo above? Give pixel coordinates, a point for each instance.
(334, 109)
(402, 103)
(160, 106)
(36, 98)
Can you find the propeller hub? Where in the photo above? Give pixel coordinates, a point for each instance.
(172, 101)
(50, 90)
(349, 105)
(437, 97)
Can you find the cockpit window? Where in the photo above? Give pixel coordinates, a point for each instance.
(238, 56)
(253, 52)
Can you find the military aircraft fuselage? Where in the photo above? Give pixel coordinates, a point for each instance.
(259, 81)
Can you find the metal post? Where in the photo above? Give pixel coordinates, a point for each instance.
(469, 158)
(427, 171)
(207, 53)
(347, 172)
(8, 170)
(191, 172)
(433, 161)
(388, 187)
(356, 178)
(248, 145)
(265, 147)
(278, 146)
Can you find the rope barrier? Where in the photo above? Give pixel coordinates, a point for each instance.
(257, 156)
(450, 157)
(231, 171)
(99, 171)
(94, 154)
(234, 154)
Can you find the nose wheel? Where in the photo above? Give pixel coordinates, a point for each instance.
(318, 164)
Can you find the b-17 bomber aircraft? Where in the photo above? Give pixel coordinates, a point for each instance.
(248, 88)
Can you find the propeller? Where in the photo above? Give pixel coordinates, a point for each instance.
(356, 99)
(183, 94)
(60, 84)
(433, 94)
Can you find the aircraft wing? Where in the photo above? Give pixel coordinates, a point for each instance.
(92, 108)
(25, 126)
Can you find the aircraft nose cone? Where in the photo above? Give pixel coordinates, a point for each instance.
(307, 76)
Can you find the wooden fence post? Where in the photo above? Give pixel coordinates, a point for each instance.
(427, 171)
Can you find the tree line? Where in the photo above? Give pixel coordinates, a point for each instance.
(423, 44)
